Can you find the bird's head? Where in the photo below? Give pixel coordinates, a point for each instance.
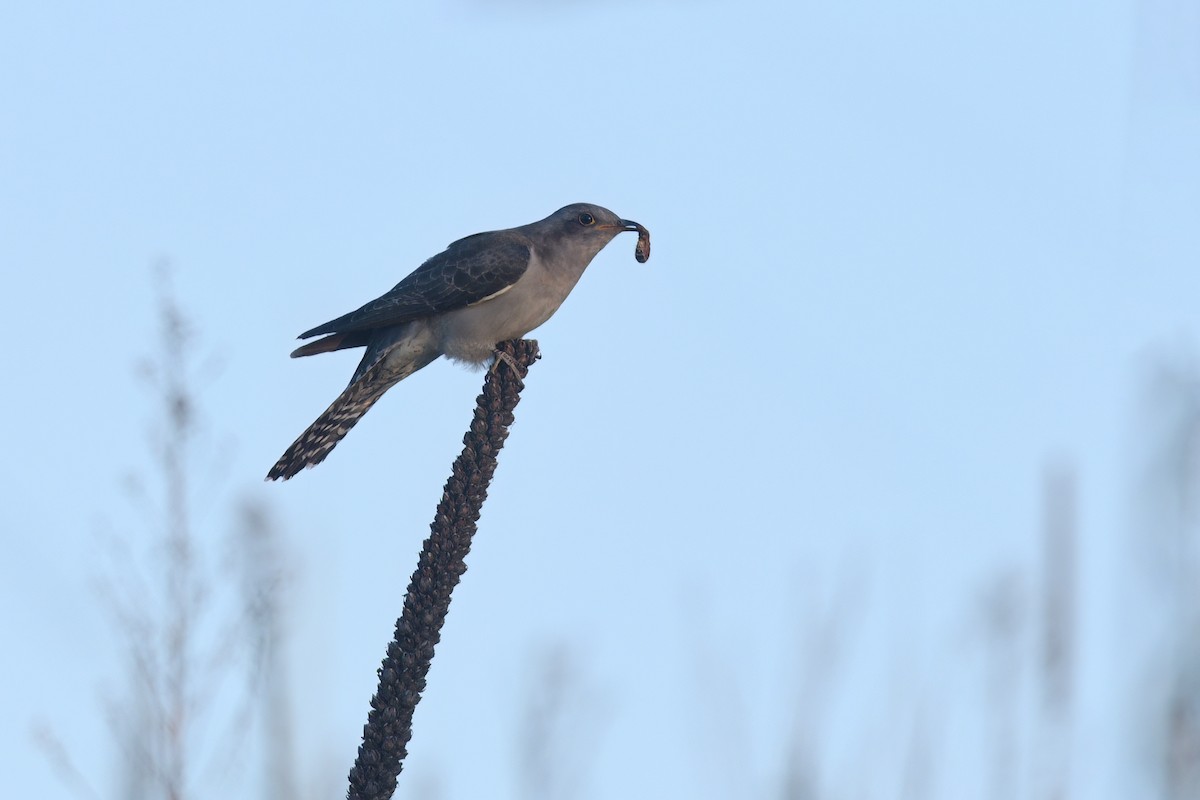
(587, 227)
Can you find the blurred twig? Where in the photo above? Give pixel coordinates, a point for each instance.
(175, 616)
(1170, 493)
(560, 726)
(1058, 631)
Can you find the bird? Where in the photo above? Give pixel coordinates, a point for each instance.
(481, 290)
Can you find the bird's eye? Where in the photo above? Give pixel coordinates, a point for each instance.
(587, 219)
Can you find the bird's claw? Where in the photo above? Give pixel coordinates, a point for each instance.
(501, 356)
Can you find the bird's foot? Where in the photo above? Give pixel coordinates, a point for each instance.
(501, 357)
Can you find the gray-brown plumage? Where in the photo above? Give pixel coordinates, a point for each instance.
(480, 291)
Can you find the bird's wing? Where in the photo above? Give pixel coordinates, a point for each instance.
(469, 271)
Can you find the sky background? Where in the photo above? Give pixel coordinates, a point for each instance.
(908, 260)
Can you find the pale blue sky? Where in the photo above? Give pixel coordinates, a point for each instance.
(905, 257)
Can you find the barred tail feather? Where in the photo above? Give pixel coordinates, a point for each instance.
(323, 435)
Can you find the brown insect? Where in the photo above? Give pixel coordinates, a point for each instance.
(641, 251)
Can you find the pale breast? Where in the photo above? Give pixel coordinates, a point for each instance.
(470, 334)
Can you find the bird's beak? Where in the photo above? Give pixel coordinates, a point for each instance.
(625, 225)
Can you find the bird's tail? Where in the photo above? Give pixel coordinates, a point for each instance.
(323, 435)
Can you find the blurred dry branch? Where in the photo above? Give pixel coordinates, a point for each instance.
(161, 610)
(559, 731)
(440, 566)
(1005, 604)
(824, 628)
(183, 722)
(262, 558)
(1058, 632)
(1169, 533)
